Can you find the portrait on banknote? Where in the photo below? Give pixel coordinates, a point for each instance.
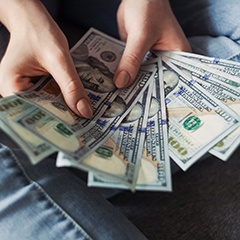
(94, 74)
(116, 108)
(170, 81)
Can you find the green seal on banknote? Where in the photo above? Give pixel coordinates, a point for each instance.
(220, 144)
(104, 152)
(62, 129)
(192, 123)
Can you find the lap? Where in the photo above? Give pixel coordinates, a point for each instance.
(45, 202)
(212, 27)
(208, 17)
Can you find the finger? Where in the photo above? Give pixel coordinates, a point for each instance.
(71, 87)
(10, 80)
(136, 47)
(15, 75)
(121, 24)
(14, 84)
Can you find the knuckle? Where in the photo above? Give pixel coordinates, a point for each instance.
(58, 56)
(133, 60)
(72, 87)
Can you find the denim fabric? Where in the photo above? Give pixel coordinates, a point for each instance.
(45, 202)
(212, 27)
(26, 209)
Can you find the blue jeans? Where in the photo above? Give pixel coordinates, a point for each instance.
(45, 202)
(212, 27)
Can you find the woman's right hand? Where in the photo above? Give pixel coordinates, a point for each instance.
(145, 25)
(38, 47)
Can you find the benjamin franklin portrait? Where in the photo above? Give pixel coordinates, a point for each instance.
(93, 73)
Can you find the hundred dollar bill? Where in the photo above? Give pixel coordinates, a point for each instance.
(36, 148)
(119, 157)
(96, 57)
(154, 173)
(206, 71)
(224, 65)
(151, 177)
(156, 141)
(78, 144)
(47, 95)
(197, 120)
(229, 95)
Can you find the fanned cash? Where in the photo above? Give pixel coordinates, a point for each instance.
(154, 172)
(192, 112)
(78, 144)
(215, 70)
(96, 57)
(232, 68)
(119, 157)
(36, 148)
(222, 90)
(185, 107)
(86, 135)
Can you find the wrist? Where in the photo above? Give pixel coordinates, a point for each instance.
(14, 13)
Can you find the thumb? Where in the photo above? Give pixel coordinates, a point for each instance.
(71, 86)
(136, 48)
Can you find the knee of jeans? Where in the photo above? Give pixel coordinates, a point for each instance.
(222, 17)
(209, 18)
(228, 20)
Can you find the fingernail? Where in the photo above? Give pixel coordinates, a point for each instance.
(85, 108)
(122, 79)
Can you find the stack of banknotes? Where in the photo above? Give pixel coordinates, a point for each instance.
(180, 107)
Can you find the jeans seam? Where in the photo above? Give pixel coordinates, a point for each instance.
(48, 198)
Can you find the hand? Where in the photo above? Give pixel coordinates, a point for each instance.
(38, 47)
(145, 25)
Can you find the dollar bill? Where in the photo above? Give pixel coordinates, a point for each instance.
(154, 173)
(119, 157)
(224, 65)
(78, 144)
(96, 57)
(226, 93)
(206, 71)
(197, 120)
(36, 148)
(47, 95)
